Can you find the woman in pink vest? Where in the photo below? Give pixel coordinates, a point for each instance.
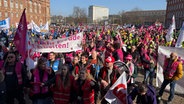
(40, 94)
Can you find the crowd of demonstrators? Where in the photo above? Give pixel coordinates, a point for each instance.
(84, 76)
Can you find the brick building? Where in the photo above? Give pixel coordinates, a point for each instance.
(176, 8)
(146, 17)
(36, 10)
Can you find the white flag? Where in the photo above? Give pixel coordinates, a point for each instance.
(35, 27)
(45, 28)
(169, 35)
(30, 62)
(117, 94)
(30, 26)
(180, 37)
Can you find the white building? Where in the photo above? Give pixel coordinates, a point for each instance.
(98, 14)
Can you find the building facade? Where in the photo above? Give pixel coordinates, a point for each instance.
(146, 17)
(176, 8)
(36, 10)
(97, 14)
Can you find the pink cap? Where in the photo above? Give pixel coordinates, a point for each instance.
(128, 57)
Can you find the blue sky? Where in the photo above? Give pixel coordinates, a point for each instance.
(65, 7)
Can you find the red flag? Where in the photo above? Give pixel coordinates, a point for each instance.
(20, 36)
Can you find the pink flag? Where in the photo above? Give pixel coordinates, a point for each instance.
(117, 94)
(118, 36)
(20, 36)
(141, 29)
(160, 28)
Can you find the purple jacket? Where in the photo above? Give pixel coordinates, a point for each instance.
(149, 98)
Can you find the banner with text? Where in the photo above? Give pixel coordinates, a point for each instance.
(5, 24)
(69, 44)
(164, 52)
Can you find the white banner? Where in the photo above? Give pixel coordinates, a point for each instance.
(69, 44)
(5, 24)
(164, 52)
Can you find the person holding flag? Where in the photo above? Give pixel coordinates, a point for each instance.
(108, 76)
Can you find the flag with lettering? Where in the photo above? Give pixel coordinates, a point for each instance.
(20, 36)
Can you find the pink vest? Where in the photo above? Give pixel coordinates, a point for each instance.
(172, 69)
(36, 84)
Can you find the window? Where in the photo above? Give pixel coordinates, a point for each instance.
(48, 10)
(11, 14)
(6, 14)
(0, 3)
(30, 10)
(35, 7)
(21, 6)
(5, 3)
(11, 4)
(16, 5)
(17, 15)
(30, 5)
(39, 6)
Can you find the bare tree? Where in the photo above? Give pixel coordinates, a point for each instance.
(79, 15)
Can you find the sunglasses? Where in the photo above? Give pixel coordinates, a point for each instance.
(9, 57)
(63, 69)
